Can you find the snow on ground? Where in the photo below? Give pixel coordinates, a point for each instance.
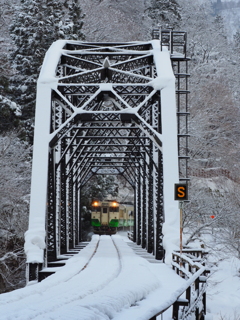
(223, 298)
(119, 289)
(223, 292)
(105, 289)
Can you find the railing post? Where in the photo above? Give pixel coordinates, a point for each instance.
(204, 303)
(188, 294)
(175, 311)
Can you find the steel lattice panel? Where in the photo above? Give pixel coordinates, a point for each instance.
(93, 134)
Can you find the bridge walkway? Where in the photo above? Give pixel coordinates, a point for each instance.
(105, 280)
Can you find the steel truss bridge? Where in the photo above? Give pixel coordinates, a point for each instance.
(108, 109)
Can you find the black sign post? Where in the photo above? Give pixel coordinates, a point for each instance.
(181, 195)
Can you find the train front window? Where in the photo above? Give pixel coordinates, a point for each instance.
(114, 209)
(105, 210)
(98, 208)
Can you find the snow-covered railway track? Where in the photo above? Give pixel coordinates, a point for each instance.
(102, 267)
(105, 278)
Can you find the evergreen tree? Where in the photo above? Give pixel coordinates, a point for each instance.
(10, 113)
(75, 14)
(99, 187)
(164, 12)
(35, 26)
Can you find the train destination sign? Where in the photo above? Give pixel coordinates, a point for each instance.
(181, 192)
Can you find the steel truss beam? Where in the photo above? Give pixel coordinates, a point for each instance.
(111, 106)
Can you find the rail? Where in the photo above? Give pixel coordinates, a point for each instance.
(190, 265)
(191, 297)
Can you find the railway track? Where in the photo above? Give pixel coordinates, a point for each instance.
(106, 280)
(102, 266)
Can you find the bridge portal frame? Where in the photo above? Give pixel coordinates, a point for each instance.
(108, 108)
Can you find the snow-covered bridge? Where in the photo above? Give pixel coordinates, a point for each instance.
(109, 108)
(118, 109)
(111, 278)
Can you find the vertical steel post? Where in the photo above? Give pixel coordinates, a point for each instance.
(135, 212)
(51, 252)
(139, 208)
(63, 191)
(76, 212)
(144, 207)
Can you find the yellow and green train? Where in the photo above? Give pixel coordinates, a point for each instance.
(108, 215)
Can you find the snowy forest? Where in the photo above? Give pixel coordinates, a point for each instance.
(28, 28)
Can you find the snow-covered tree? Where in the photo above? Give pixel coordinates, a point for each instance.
(36, 24)
(114, 20)
(214, 210)
(206, 34)
(214, 113)
(98, 187)
(164, 12)
(236, 39)
(15, 176)
(214, 122)
(10, 113)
